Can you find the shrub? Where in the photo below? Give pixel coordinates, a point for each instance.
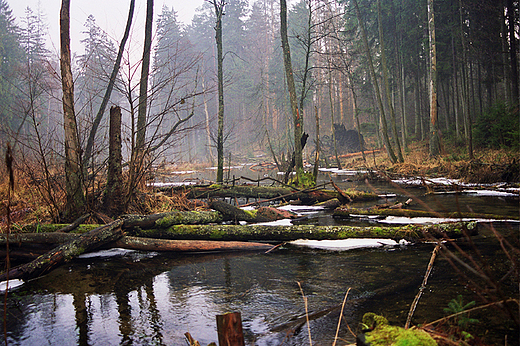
(498, 128)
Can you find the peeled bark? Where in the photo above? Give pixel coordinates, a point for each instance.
(150, 244)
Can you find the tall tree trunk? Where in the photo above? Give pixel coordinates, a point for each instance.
(75, 202)
(317, 143)
(138, 152)
(387, 83)
(434, 127)
(513, 50)
(338, 163)
(386, 138)
(113, 199)
(219, 12)
(298, 122)
(465, 88)
(110, 87)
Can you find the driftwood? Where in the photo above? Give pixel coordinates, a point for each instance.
(63, 253)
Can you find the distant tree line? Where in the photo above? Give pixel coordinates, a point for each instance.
(364, 64)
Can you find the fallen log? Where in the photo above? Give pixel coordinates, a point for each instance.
(63, 253)
(287, 233)
(140, 243)
(347, 212)
(149, 244)
(262, 214)
(167, 219)
(269, 192)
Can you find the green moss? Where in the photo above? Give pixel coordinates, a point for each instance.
(384, 334)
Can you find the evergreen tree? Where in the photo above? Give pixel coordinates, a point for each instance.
(11, 56)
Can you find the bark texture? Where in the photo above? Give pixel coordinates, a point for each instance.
(75, 199)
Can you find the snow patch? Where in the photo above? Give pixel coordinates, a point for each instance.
(302, 209)
(11, 284)
(282, 222)
(344, 244)
(107, 253)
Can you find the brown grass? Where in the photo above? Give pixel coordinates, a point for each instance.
(489, 165)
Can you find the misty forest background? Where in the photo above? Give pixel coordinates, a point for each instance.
(476, 63)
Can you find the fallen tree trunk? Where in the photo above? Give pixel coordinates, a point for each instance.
(149, 244)
(262, 214)
(269, 192)
(140, 243)
(63, 253)
(347, 212)
(167, 219)
(287, 233)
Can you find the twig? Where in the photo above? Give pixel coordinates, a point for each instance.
(275, 247)
(75, 224)
(340, 315)
(423, 286)
(306, 313)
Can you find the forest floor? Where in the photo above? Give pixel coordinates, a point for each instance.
(487, 166)
(30, 202)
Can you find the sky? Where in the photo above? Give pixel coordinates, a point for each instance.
(110, 15)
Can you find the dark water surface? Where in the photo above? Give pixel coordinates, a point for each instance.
(136, 298)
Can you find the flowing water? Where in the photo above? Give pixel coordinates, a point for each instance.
(134, 298)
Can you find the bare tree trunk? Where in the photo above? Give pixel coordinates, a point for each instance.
(110, 87)
(219, 12)
(138, 152)
(75, 202)
(465, 89)
(387, 83)
(317, 140)
(113, 202)
(434, 127)
(513, 50)
(298, 122)
(386, 139)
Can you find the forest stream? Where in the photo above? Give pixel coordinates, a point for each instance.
(125, 297)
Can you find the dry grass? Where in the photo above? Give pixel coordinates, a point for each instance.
(488, 165)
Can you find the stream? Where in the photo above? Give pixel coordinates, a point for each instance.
(123, 297)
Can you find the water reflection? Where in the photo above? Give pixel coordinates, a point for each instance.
(154, 301)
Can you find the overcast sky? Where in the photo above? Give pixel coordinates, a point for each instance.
(110, 16)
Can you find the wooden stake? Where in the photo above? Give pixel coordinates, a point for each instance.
(229, 329)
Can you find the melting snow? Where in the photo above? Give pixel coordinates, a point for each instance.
(12, 284)
(346, 244)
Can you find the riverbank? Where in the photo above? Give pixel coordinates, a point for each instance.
(488, 165)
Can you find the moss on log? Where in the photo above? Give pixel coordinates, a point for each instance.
(270, 192)
(65, 252)
(286, 233)
(56, 227)
(347, 212)
(164, 220)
